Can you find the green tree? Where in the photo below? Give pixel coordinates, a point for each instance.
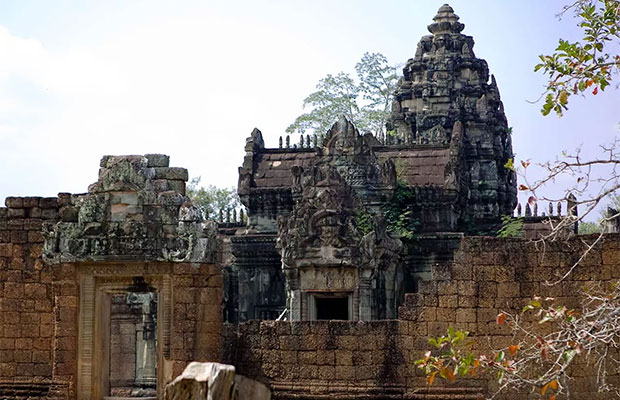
(212, 199)
(607, 217)
(378, 81)
(365, 101)
(587, 228)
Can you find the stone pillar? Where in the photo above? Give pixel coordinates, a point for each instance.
(294, 305)
(364, 294)
(293, 295)
(146, 342)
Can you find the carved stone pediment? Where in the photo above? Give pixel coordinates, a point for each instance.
(352, 155)
(436, 135)
(137, 210)
(322, 233)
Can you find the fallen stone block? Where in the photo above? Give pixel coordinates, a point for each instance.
(214, 381)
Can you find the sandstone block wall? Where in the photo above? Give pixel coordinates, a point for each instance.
(26, 297)
(494, 275)
(345, 360)
(39, 306)
(337, 359)
(196, 316)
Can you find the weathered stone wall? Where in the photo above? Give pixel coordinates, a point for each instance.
(26, 298)
(494, 275)
(343, 360)
(39, 308)
(193, 326)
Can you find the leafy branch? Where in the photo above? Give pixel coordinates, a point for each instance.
(578, 67)
(546, 340)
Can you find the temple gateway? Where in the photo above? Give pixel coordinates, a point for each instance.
(354, 251)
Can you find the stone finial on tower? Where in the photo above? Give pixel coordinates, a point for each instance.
(255, 141)
(446, 21)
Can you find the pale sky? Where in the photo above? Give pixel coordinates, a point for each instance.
(191, 79)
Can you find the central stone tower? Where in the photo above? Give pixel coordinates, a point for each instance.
(445, 99)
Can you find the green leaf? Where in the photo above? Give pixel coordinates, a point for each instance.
(450, 332)
(459, 337)
(568, 355)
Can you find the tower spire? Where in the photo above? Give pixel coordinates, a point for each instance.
(446, 21)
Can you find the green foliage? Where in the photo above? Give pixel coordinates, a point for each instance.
(377, 82)
(336, 95)
(211, 200)
(510, 164)
(397, 213)
(609, 212)
(511, 227)
(578, 67)
(365, 222)
(365, 101)
(453, 346)
(586, 228)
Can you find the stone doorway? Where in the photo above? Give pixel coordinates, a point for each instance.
(133, 345)
(124, 333)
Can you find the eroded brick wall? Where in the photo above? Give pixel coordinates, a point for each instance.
(342, 360)
(26, 300)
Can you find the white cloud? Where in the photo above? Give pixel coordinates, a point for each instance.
(172, 86)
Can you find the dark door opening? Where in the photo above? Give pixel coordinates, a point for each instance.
(332, 308)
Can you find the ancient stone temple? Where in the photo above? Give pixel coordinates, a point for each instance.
(439, 173)
(354, 251)
(334, 269)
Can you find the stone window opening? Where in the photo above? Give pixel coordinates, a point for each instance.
(331, 306)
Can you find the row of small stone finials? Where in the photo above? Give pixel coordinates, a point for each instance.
(309, 142)
(232, 216)
(312, 141)
(532, 210)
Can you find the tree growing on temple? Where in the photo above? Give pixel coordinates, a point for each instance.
(365, 100)
(549, 337)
